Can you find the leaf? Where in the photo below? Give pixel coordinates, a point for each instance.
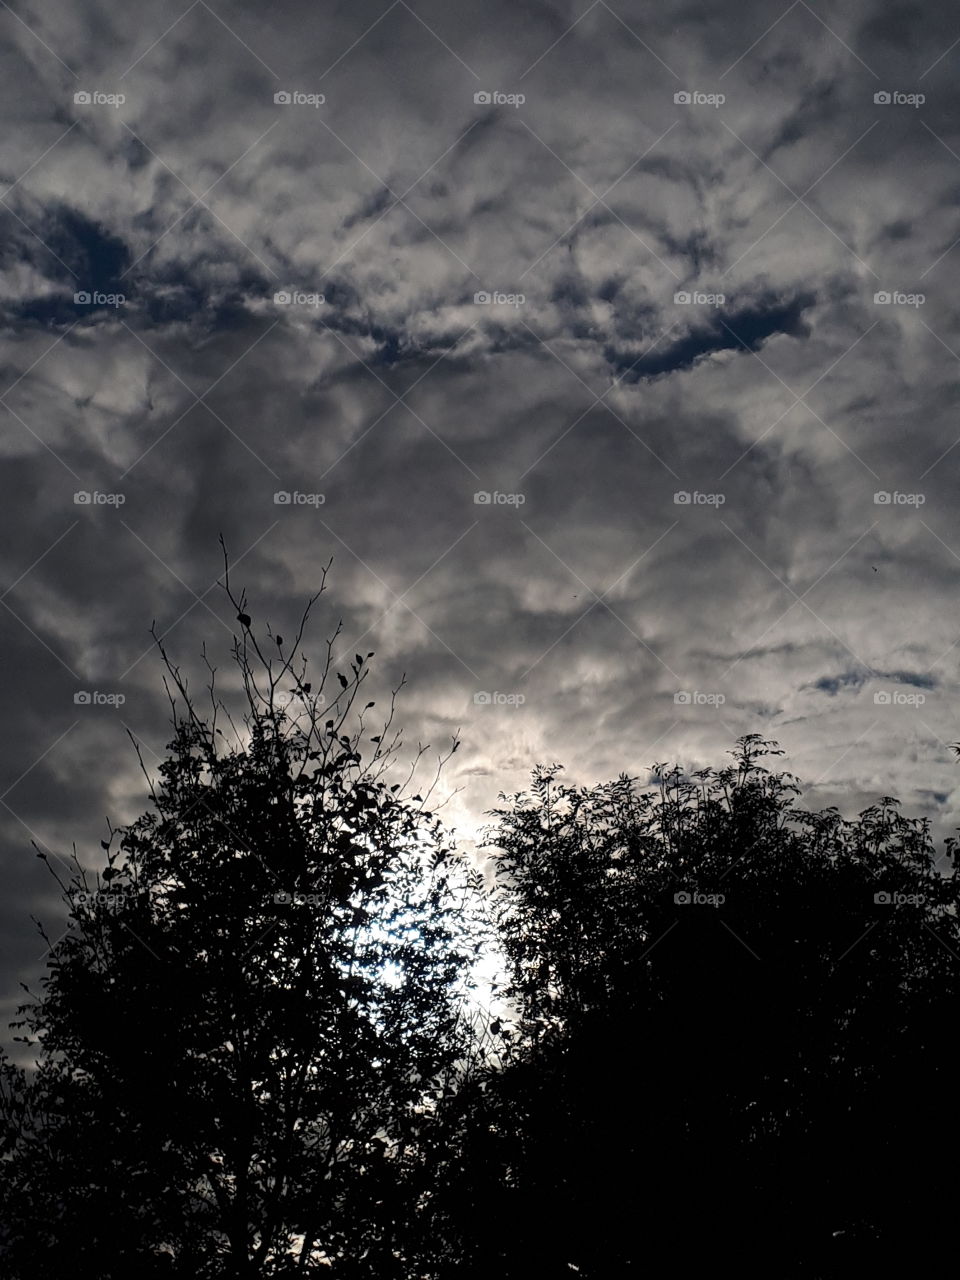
(243, 619)
(343, 679)
(359, 660)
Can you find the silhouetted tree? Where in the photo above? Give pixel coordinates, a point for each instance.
(735, 1035)
(243, 1036)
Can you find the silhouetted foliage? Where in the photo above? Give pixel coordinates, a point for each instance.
(729, 1051)
(245, 1031)
(731, 1042)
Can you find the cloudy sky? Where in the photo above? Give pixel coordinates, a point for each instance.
(613, 268)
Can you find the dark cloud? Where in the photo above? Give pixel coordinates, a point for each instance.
(740, 329)
(833, 684)
(857, 679)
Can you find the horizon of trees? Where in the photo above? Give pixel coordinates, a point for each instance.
(260, 1051)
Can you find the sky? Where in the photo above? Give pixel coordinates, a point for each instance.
(609, 350)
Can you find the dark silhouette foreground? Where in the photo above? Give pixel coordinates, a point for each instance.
(737, 1036)
(245, 1032)
(733, 1043)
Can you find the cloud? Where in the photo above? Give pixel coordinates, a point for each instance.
(744, 328)
(595, 399)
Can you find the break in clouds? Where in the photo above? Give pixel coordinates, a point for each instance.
(611, 352)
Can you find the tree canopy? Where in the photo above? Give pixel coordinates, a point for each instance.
(735, 1032)
(726, 1035)
(243, 1036)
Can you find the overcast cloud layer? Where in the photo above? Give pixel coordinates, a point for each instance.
(587, 398)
